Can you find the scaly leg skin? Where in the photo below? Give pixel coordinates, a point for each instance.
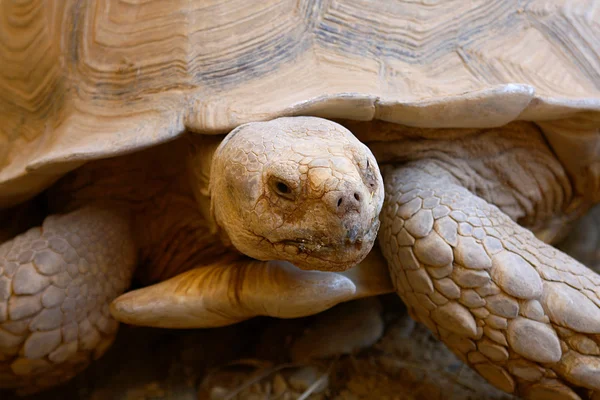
(583, 241)
(524, 315)
(56, 283)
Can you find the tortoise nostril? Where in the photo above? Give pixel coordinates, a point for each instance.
(348, 202)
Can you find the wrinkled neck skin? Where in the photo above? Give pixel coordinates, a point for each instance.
(302, 190)
(512, 167)
(199, 163)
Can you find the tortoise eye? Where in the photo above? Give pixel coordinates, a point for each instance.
(368, 175)
(282, 188)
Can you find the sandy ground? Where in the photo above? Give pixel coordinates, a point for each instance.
(253, 360)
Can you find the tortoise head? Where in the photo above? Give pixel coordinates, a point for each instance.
(300, 189)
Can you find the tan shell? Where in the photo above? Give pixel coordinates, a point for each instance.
(86, 80)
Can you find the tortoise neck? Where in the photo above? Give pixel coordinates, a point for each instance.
(199, 166)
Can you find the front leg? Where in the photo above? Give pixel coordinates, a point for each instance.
(56, 282)
(237, 288)
(521, 313)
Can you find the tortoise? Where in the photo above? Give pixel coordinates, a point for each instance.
(484, 118)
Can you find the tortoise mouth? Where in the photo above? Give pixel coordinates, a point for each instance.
(310, 253)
